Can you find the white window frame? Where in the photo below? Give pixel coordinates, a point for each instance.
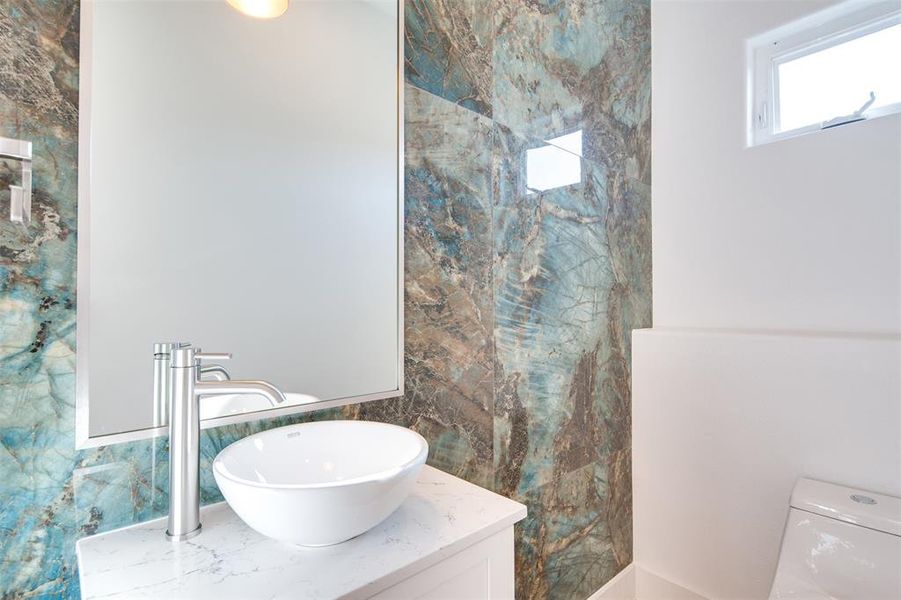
(819, 31)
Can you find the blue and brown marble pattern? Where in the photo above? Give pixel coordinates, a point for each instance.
(552, 277)
(565, 548)
(449, 312)
(448, 50)
(570, 285)
(519, 303)
(567, 65)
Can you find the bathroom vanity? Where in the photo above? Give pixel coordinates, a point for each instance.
(449, 539)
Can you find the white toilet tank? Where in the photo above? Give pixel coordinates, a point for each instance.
(839, 544)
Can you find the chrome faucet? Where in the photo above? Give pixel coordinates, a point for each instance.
(162, 355)
(185, 391)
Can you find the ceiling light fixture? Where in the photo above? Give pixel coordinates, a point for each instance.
(261, 9)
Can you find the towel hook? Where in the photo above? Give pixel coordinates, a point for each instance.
(19, 195)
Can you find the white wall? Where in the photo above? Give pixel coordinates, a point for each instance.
(803, 234)
(777, 310)
(724, 424)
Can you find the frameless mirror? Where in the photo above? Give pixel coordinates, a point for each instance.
(240, 190)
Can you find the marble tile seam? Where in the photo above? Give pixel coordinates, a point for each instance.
(512, 129)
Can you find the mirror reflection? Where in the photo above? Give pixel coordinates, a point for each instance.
(242, 196)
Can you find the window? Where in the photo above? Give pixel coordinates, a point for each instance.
(832, 68)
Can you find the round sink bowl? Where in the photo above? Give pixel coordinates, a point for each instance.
(317, 484)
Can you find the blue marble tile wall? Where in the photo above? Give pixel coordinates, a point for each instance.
(521, 290)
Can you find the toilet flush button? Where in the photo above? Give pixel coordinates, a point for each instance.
(860, 499)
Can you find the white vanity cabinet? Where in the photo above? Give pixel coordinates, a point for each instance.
(449, 540)
(484, 570)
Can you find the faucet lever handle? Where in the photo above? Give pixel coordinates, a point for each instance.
(212, 355)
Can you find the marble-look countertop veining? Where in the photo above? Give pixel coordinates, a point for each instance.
(442, 516)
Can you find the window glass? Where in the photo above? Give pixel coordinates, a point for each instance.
(837, 81)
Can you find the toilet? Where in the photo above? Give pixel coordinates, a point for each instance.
(839, 544)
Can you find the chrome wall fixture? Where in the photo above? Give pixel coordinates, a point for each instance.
(19, 195)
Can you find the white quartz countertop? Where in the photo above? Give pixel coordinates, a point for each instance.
(441, 517)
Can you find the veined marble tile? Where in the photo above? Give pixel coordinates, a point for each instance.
(448, 292)
(565, 547)
(39, 62)
(448, 50)
(572, 276)
(552, 275)
(562, 66)
(37, 453)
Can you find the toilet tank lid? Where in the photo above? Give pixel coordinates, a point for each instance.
(859, 507)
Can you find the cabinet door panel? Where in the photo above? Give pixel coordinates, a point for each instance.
(482, 571)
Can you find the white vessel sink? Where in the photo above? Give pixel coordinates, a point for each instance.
(316, 484)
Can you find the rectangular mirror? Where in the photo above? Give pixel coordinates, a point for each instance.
(240, 189)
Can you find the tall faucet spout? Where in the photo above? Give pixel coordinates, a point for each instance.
(185, 393)
(220, 388)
